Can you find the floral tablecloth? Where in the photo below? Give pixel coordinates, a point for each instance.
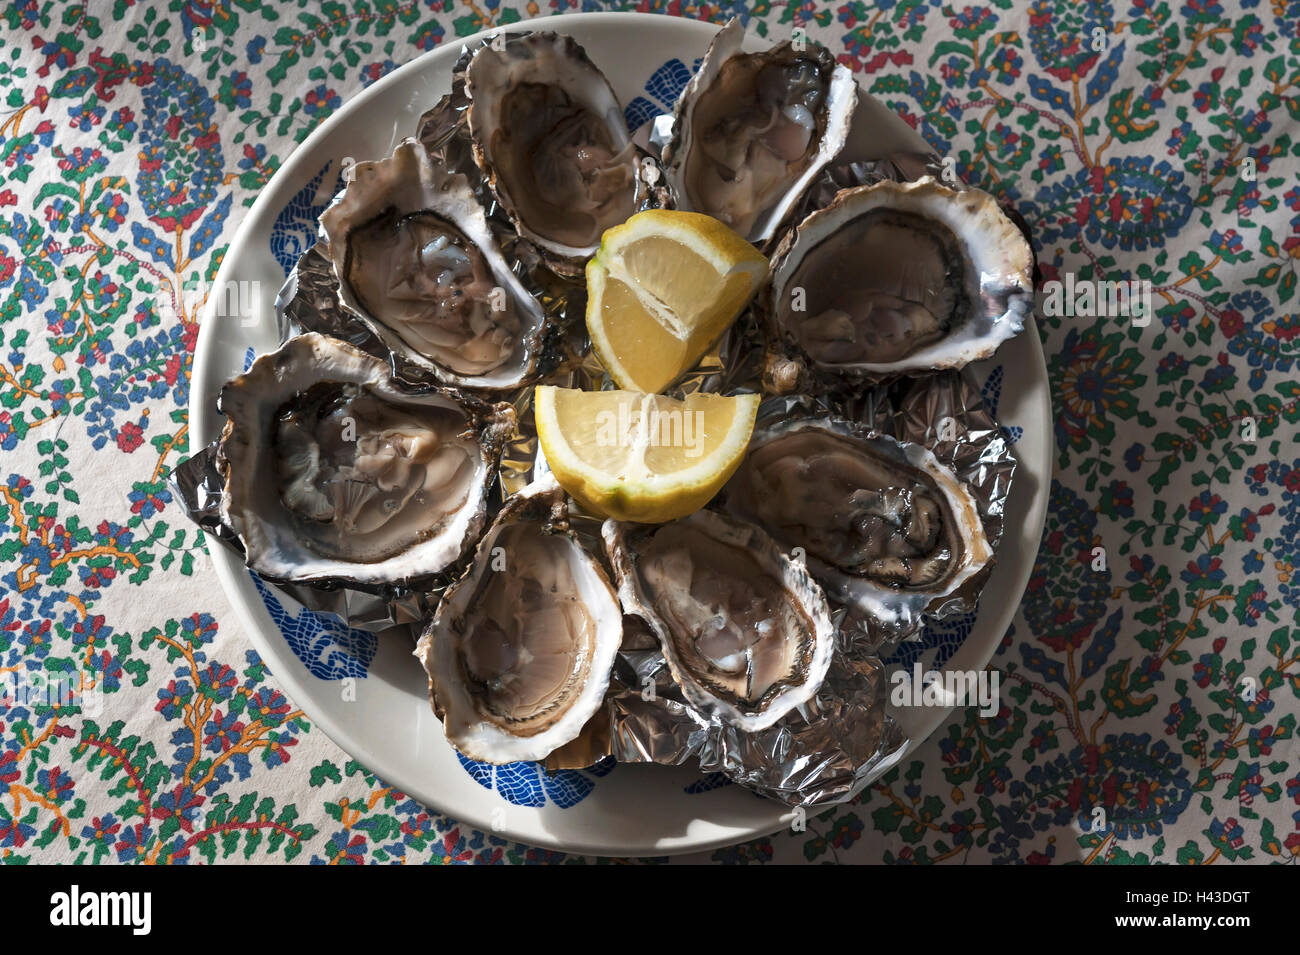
(1149, 139)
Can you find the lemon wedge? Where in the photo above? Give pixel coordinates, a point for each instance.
(661, 289)
(642, 457)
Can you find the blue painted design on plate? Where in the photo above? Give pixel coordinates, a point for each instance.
(529, 784)
(327, 647)
(662, 90)
(707, 783)
(639, 111)
(992, 392)
(939, 641)
(294, 230)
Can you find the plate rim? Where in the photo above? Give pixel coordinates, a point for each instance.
(228, 568)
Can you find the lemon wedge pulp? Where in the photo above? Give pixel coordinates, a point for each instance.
(642, 457)
(661, 289)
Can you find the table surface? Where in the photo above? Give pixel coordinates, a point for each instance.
(1152, 685)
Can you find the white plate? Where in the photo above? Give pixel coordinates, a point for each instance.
(635, 809)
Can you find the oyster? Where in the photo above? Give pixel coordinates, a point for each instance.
(893, 279)
(752, 130)
(417, 263)
(520, 651)
(549, 135)
(336, 472)
(885, 527)
(746, 632)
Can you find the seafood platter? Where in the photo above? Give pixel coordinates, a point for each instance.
(648, 444)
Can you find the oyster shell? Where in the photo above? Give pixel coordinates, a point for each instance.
(520, 651)
(893, 279)
(418, 265)
(335, 471)
(746, 632)
(886, 528)
(549, 136)
(752, 130)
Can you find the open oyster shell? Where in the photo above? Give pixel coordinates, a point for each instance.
(745, 631)
(337, 472)
(886, 529)
(752, 130)
(417, 264)
(549, 136)
(520, 651)
(894, 279)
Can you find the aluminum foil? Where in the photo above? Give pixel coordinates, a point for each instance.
(818, 754)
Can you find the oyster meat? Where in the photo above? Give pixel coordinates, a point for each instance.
(549, 135)
(417, 263)
(520, 651)
(335, 472)
(752, 130)
(883, 525)
(896, 278)
(745, 631)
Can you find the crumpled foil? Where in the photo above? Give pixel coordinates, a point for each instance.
(821, 752)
